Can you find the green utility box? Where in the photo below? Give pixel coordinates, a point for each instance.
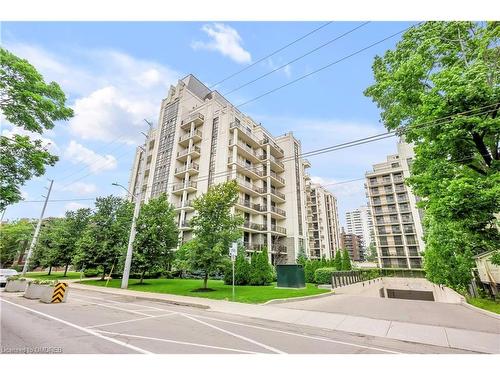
(291, 276)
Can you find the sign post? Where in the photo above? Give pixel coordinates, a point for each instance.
(233, 250)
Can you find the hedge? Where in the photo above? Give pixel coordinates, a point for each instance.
(324, 275)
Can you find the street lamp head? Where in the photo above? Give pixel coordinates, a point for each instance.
(114, 184)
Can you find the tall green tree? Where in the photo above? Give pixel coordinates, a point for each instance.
(156, 236)
(261, 272)
(106, 236)
(28, 102)
(448, 70)
(48, 252)
(214, 228)
(346, 261)
(302, 257)
(338, 260)
(15, 238)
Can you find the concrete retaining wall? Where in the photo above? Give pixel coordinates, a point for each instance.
(372, 288)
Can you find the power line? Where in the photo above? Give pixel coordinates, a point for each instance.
(271, 54)
(299, 57)
(325, 66)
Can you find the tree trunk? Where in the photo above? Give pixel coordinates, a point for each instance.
(142, 276)
(205, 280)
(50, 270)
(66, 270)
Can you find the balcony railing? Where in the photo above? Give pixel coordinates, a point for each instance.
(278, 248)
(244, 129)
(244, 146)
(193, 117)
(279, 211)
(276, 228)
(250, 186)
(276, 193)
(188, 151)
(189, 135)
(275, 176)
(255, 226)
(252, 168)
(266, 141)
(184, 185)
(184, 168)
(253, 246)
(185, 204)
(253, 206)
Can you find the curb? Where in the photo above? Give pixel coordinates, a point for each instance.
(479, 310)
(278, 301)
(146, 298)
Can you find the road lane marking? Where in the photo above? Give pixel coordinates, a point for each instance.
(273, 330)
(83, 329)
(130, 320)
(124, 303)
(178, 342)
(300, 335)
(235, 335)
(113, 307)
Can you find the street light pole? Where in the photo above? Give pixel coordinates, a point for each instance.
(137, 207)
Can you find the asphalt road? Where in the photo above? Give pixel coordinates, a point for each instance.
(92, 322)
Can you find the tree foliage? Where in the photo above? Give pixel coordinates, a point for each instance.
(26, 101)
(302, 257)
(337, 262)
(214, 228)
(346, 261)
(261, 272)
(156, 236)
(15, 238)
(448, 70)
(106, 236)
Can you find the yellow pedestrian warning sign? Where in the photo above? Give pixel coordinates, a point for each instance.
(59, 290)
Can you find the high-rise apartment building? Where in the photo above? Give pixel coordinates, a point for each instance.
(360, 223)
(353, 243)
(323, 221)
(397, 221)
(201, 140)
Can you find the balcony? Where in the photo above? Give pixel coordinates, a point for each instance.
(246, 151)
(250, 170)
(306, 163)
(276, 194)
(275, 211)
(245, 133)
(184, 225)
(247, 205)
(275, 163)
(253, 246)
(193, 151)
(190, 186)
(254, 226)
(278, 151)
(196, 135)
(280, 181)
(381, 182)
(278, 229)
(187, 205)
(248, 187)
(191, 168)
(196, 117)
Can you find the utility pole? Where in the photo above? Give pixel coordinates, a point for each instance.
(137, 208)
(37, 231)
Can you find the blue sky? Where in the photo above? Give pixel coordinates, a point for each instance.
(116, 73)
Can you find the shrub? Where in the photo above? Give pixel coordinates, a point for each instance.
(91, 272)
(309, 269)
(15, 277)
(261, 272)
(324, 275)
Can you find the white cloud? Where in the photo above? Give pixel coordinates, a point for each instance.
(80, 188)
(226, 40)
(110, 92)
(73, 206)
(286, 70)
(78, 154)
(24, 194)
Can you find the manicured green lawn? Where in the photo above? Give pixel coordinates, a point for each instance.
(185, 287)
(486, 304)
(53, 275)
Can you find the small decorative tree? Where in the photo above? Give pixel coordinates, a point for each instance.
(338, 260)
(346, 261)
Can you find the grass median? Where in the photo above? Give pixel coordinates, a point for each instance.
(485, 304)
(187, 287)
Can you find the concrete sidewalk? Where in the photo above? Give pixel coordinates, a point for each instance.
(482, 342)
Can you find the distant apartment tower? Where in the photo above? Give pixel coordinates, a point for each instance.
(353, 243)
(201, 140)
(397, 221)
(360, 223)
(323, 221)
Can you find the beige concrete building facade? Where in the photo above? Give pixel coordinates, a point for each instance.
(201, 140)
(323, 222)
(396, 219)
